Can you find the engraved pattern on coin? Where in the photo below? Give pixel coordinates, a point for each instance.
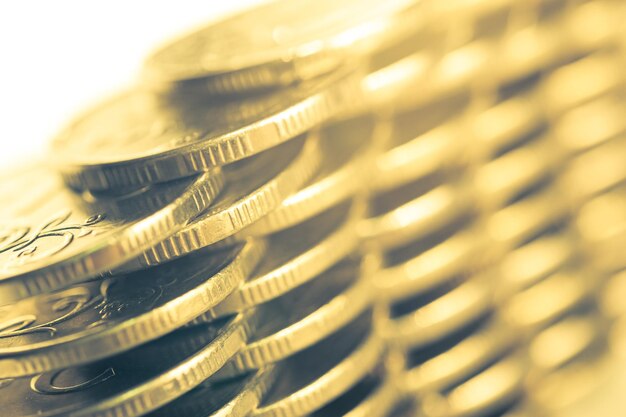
(23, 242)
(47, 383)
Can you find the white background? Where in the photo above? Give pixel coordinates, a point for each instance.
(56, 57)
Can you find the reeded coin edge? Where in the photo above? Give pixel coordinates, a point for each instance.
(116, 249)
(215, 226)
(295, 272)
(212, 152)
(95, 344)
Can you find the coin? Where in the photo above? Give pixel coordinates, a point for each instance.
(246, 198)
(517, 173)
(591, 124)
(464, 352)
(318, 375)
(576, 363)
(101, 318)
(596, 171)
(296, 256)
(51, 237)
(602, 224)
(140, 138)
(417, 323)
(491, 392)
(130, 384)
(430, 262)
(347, 147)
(374, 396)
(534, 261)
(571, 339)
(387, 87)
(304, 316)
(236, 397)
(394, 222)
(585, 28)
(278, 45)
(527, 218)
(505, 126)
(546, 301)
(581, 81)
(413, 155)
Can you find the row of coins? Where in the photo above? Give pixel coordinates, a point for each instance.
(334, 270)
(462, 358)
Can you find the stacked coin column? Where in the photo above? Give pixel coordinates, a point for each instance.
(587, 109)
(548, 288)
(434, 292)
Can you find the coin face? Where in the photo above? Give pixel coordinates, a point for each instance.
(51, 237)
(141, 137)
(130, 384)
(277, 44)
(101, 318)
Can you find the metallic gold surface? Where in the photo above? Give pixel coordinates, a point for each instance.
(133, 383)
(99, 319)
(52, 238)
(147, 141)
(278, 45)
(338, 208)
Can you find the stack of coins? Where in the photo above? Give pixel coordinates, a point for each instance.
(354, 208)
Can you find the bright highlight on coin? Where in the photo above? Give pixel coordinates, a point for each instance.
(337, 208)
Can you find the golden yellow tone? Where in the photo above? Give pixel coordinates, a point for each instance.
(357, 208)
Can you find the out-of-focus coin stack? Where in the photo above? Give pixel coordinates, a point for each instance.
(333, 208)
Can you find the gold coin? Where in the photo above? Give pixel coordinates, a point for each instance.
(596, 171)
(304, 316)
(414, 323)
(141, 138)
(517, 173)
(316, 376)
(296, 256)
(505, 126)
(602, 224)
(520, 222)
(571, 339)
(574, 366)
(418, 148)
(430, 262)
(391, 87)
(394, 221)
(543, 303)
(133, 383)
(590, 125)
(495, 390)
(581, 30)
(461, 354)
(101, 318)
(248, 196)
(347, 147)
(374, 396)
(278, 45)
(531, 263)
(236, 398)
(51, 237)
(581, 81)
